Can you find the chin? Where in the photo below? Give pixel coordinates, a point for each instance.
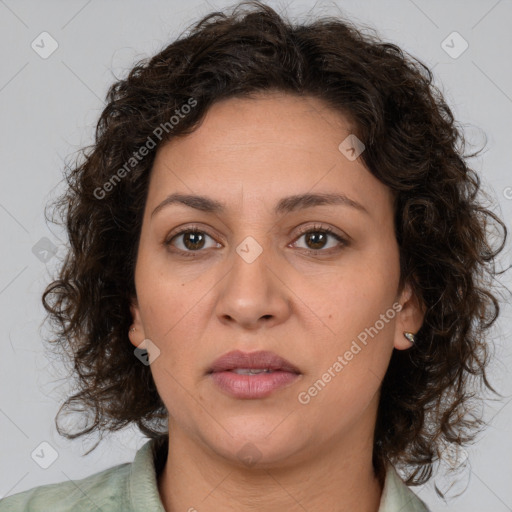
(259, 442)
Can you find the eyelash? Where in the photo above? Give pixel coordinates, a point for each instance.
(315, 229)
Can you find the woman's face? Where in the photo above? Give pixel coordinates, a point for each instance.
(251, 280)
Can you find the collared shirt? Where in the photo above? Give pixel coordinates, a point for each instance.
(133, 487)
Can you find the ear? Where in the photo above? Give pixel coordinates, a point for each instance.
(409, 318)
(136, 333)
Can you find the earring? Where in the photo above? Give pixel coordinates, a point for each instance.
(132, 329)
(410, 336)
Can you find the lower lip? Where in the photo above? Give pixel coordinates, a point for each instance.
(259, 385)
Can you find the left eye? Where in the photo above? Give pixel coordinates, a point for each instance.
(317, 239)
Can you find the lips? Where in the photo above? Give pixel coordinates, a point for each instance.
(261, 360)
(252, 375)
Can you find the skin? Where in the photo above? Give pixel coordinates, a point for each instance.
(307, 308)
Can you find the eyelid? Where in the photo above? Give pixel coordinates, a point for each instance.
(187, 229)
(191, 227)
(319, 227)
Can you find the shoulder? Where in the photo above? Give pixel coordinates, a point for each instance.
(105, 490)
(396, 495)
(127, 487)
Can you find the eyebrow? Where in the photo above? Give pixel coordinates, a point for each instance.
(285, 205)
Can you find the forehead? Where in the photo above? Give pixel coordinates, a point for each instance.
(269, 146)
(272, 118)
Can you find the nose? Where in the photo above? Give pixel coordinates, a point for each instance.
(253, 294)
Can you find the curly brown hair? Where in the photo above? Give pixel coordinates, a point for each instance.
(413, 146)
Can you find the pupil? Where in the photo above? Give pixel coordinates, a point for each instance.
(195, 238)
(312, 236)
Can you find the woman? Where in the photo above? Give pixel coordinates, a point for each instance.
(281, 222)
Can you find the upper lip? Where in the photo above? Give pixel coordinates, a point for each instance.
(261, 359)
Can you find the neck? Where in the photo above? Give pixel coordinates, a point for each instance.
(339, 478)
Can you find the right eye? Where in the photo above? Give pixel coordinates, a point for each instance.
(192, 240)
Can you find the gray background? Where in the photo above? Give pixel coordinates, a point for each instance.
(49, 108)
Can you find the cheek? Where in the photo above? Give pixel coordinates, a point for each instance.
(345, 300)
(170, 300)
(351, 343)
(348, 368)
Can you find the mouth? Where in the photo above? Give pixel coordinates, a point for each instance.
(252, 363)
(252, 375)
